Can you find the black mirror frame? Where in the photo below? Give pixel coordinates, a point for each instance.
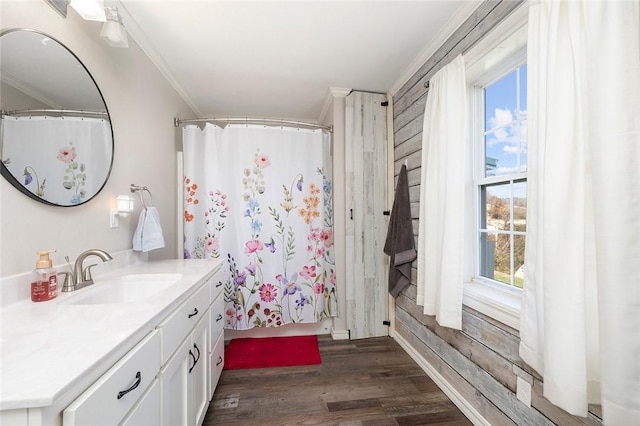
(12, 179)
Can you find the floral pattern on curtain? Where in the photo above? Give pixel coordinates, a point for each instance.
(62, 160)
(260, 198)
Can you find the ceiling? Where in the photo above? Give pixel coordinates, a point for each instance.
(279, 59)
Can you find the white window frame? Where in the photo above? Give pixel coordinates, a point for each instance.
(498, 53)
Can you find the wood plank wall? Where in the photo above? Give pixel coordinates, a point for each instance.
(478, 361)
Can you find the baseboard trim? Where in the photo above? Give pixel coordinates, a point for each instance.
(472, 414)
(339, 334)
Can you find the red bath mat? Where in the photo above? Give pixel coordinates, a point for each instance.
(271, 352)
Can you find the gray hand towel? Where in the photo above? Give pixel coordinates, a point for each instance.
(399, 244)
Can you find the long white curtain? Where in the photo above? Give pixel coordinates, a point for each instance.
(580, 320)
(260, 198)
(442, 199)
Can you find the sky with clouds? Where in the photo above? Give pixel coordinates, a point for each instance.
(505, 122)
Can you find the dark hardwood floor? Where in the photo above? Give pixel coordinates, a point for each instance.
(360, 382)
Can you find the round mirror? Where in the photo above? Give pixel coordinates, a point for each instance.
(56, 141)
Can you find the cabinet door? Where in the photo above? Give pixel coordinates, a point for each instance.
(147, 411)
(175, 387)
(197, 371)
(366, 198)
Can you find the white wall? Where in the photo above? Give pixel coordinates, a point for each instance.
(142, 105)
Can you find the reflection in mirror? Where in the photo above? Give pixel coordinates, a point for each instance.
(56, 142)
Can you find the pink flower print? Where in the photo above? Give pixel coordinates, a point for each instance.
(268, 292)
(315, 235)
(318, 288)
(253, 246)
(212, 244)
(261, 161)
(308, 272)
(319, 252)
(66, 154)
(327, 237)
(230, 313)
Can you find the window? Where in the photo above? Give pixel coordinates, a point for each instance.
(501, 178)
(496, 74)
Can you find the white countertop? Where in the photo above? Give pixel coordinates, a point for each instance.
(49, 348)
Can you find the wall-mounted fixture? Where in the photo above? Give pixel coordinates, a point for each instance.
(124, 206)
(113, 32)
(90, 10)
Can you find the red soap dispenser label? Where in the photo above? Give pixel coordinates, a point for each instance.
(40, 291)
(53, 286)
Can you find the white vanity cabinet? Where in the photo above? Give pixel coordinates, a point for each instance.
(186, 375)
(116, 363)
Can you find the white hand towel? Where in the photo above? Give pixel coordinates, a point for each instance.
(148, 234)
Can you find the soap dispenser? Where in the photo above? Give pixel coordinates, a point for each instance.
(44, 281)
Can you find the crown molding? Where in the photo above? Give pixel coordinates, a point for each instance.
(28, 90)
(340, 92)
(459, 17)
(334, 92)
(140, 38)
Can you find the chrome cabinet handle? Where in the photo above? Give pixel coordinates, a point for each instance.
(219, 317)
(133, 386)
(219, 361)
(194, 313)
(219, 284)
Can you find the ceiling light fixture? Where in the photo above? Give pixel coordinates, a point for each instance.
(113, 32)
(90, 10)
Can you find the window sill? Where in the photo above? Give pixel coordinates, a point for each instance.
(502, 305)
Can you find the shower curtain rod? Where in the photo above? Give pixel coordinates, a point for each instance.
(266, 121)
(78, 112)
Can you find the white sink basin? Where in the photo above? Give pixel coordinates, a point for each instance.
(127, 288)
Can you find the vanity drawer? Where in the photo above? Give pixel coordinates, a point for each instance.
(216, 285)
(109, 399)
(179, 324)
(147, 411)
(216, 364)
(216, 327)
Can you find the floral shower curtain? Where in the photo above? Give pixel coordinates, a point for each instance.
(260, 198)
(59, 159)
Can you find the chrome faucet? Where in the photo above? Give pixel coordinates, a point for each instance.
(81, 277)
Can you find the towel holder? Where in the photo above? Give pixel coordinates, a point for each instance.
(141, 190)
